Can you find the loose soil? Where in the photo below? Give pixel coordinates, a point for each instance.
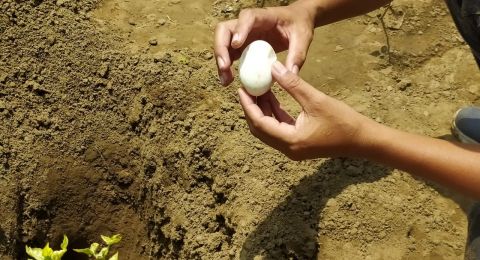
(113, 121)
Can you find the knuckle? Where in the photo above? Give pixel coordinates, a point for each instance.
(319, 99)
(293, 148)
(301, 55)
(308, 34)
(292, 81)
(256, 124)
(216, 51)
(295, 144)
(219, 26)
(246, 14)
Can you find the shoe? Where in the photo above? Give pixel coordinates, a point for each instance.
(466, 125)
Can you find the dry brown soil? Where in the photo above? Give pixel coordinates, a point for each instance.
(113, 121)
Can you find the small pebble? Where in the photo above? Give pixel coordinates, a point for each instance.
(404, 84)
(3, 77)
(51, 40)
(208, 56)
(162, 21)
(228, 9)
(338, 48)
(153, 42)
(103, 70)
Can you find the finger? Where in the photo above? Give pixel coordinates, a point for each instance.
(264, 103)
(297, 51)
(300, 90)
(225, 76)
(280, 114)
(223, 35)
(249, 19)
(268, 127)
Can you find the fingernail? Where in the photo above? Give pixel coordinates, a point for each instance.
(279, 68)
(222, 79)
(236, 39)
(295, 69)
(221, 63)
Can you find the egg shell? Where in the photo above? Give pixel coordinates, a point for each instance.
(255, 67)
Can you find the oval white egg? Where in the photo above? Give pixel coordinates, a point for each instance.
(255, 67)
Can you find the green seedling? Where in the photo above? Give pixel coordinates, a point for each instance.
(48, 253)
(103, 253)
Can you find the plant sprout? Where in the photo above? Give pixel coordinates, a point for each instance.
(103, 253)
(47, 253)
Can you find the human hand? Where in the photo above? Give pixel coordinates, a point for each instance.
(326, 127)
(289, 27)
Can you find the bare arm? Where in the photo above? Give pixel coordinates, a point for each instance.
(329, 128)
(330, 11)
(454, 165)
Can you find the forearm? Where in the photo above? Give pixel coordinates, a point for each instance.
(454, 165)
(330, 11)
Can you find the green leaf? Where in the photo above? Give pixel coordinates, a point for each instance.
(36, 253)
(94, 247)
(102, 255)
(47, 251)
(114, 257)
(86, 251)
(64, 243)
(112, 240)
(57, 255)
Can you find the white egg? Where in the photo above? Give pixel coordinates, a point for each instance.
(255, 67)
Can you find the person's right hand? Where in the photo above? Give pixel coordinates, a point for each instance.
(285, 28)
(326, 127)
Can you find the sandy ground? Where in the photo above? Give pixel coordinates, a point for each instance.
(113, 121)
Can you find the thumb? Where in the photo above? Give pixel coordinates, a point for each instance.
(300, 90)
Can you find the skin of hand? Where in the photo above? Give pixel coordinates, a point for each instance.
(285, 28)
(326, 127)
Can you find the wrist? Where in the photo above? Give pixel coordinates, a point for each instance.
(312, 9)
(370, 139)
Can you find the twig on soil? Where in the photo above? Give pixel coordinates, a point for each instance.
(382, 21)
(171, 21)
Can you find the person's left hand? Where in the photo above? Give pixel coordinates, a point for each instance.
(326, 127)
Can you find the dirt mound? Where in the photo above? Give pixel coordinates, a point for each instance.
(113, 122)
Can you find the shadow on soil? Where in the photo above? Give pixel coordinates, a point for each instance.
(291, 230)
